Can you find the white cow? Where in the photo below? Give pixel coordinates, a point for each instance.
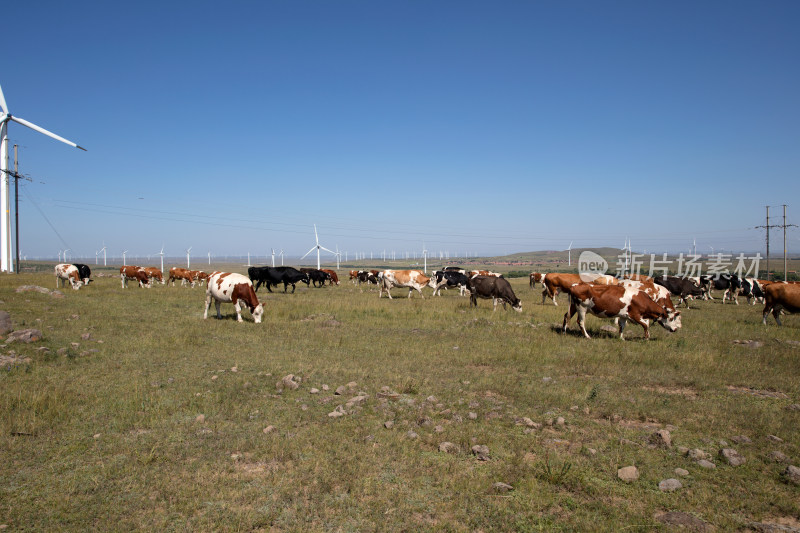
(233, 288)
(413, 279)
(66, 272)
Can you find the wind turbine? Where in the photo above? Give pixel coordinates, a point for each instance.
(189, 249)
(65, 254)
(248, 259)
(96, 253)
(425, 255)
(694, 244)
(569, 254)
(103, 249)
(281, 254)
(59, 256)
(338, 256)
(123, 257)
(5, 220)
(273, 257)
(161, 253)
(209, 257)
(318, 247)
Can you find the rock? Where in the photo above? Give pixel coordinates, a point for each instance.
(767, 527)
(287, 382)
(325, 388)
(683, 450)
(609, 329)
(669, 485)
(86, 336)
(774, 438)
(472, 416)
(778, 457)
(313, 391)
(439, 429)
(628, 474)
(336, 413)
(200, 419)
(793, 407)
(723, 443)
(684, 520)
(411, 434)
(697, 454)
(352, 385)
(75, 345)
(749, 343)
(706, 464)
(481, 452)
(62, 351)
(681, 472)
(388, 424)
(590, 451)
(24, 335)
(560, 421)
(234, 369)
(356, 400)
(97, 436)
(43, 349)
(448, 447)
(661, 438)
(5, 322)
(732, 457)
(501, 487)
(268, 429)
(340, 390)
(214, 377)
(431, 399)
(792, 475)
(741, 439)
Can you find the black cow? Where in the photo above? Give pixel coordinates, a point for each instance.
(316, 276)
(753, 290)
(275, 275)
(498, 289)
(729, 283)
(681, 287)
(450, 278)
(84, 272)
(366, 276)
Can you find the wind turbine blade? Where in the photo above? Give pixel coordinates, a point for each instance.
(33, 126)
(330, 251)
(3, 105)
(315, 234)
(308, 252)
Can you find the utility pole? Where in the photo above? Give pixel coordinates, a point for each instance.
(16, 175)
(784, 226)
(767, 227)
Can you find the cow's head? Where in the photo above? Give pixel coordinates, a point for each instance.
(517, 306)
(257, 311)
(671, 321)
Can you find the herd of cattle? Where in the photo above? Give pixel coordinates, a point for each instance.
(636, 298)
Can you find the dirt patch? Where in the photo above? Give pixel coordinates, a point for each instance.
(258, 468)
(323, 319)
(683, 391)
(757, 392)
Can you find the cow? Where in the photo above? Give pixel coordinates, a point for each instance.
(154, 273)
(199, 276)
(473, 273)
(84, 272)
(354, 276)
(182, 274)
(617, 301)
(449, 278)
(638, 277)
(367, 276)
(535, 277)
(683, 288)
(334, 278)
(66, 272)
(779, 297)
(135, 273)
(658, 293)
(275, 275)
(413, 279)
(232, 288)
(496, 288)
(607, 279)
(316, 276)
(556, 281)
(752, 290)
(730, 283)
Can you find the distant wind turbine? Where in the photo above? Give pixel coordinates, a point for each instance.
(425, 255)
(209, 257)
(281, 254)
(317, 247)
(273, 256)
(123, 257)
(569, 254)
(248, 259)
(5, 220)
(188, 257)
(103, 249)
(161, 253)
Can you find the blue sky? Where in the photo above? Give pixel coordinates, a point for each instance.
(481, 127)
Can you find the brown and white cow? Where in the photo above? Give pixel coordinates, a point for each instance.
(67, 272)
(182, 274)
(657, 293)
(535, 277)
(781, 297)
(134, 273)
(473, 273)
(332, 274)
(354, 276)
(198, 276)
(558, 281)
(606, 279)
(154, 273)
(413, 279)
(232, 288)
(616, 301)
(638, 277)
(498, 289)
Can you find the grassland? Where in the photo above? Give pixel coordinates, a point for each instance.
(162, 425)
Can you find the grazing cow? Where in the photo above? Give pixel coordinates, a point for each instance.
(658, 293)
(608, 279)
(683, 288)
(781, 296)
(556, 281)
(182, 274)
(275, 275)
(333, 276)
(449, 278)
(84, 272)
(154, 273)
(316, 276)
(729, 283)
(498, 289)
(535, 277)
(752, 290)
(66, 272)
(473, 273)
(232, 288)
(616, 301)
(413, 279)
(638, 277)
(134, 273)
(367, 276)
(199, 276)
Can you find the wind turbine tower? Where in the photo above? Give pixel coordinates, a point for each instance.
(273, 257)
(123, 257)
(569, 254)
(161, 253)
(188, 257)
(317, 247)
(103, 249)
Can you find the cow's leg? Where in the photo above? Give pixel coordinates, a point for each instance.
(208, 304)
(218, 304)
(776, 312)
(622, 323)
(582, 321)
(238, 306)
(568, 315)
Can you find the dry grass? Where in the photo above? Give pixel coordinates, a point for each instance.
(111, 439)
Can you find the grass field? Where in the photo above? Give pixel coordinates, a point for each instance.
(176, 423)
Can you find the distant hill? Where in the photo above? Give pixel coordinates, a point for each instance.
(552, 257)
